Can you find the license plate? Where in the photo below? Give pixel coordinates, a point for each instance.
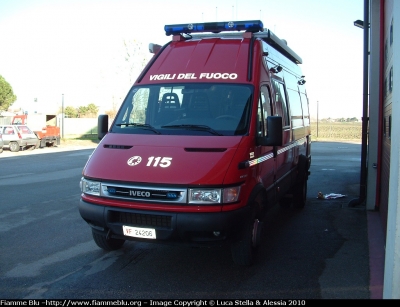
(146, 233)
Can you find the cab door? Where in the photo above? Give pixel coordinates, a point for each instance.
(284, 158)
(265, 154)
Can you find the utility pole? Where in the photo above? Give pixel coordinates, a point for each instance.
(62, 118)
(317, 117)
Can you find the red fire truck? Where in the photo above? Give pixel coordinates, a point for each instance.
(214, 132)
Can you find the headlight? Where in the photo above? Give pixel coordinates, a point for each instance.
(204, 196)
(213, 196)
(90, 187)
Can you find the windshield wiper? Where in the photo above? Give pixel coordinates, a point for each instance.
(144, 126)
(194, 127)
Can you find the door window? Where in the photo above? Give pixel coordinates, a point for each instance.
(281, 103)
(264, 110)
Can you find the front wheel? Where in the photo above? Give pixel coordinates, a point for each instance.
(108, 244)
(14, 146)
(243, 250)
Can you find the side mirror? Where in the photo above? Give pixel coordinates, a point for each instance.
(274, 128)
(102, 126)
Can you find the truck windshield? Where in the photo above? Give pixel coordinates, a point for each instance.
(186, 109)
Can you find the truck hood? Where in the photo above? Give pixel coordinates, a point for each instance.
(162, 159)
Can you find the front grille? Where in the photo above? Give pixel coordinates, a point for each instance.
(138, 219)
(144, 193)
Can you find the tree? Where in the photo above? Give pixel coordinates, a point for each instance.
(70, 112)
(92, 110)
(113, 111)
(136, 57)
(7, 97)
(88, 111)
(82, 110)
(352, 120)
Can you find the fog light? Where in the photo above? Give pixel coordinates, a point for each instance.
(217, 233)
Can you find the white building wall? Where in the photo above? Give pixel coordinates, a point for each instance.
(391, 287)
(77, 126)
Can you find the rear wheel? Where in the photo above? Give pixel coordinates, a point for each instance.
(14, 146)
(286, 201)
(108, 244)
(300, 189)
(300, 195)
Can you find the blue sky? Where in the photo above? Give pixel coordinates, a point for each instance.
(76, 48)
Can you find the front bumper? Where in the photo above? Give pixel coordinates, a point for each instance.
(195, 229)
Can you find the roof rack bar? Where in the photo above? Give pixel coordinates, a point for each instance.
(271, 39)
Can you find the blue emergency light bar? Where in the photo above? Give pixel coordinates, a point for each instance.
(215, 27)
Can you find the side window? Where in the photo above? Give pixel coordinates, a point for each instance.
(265, 108)
(136, 111)
(260, 118)
(295, 108)
(281, 103)
(304, 103)
(266, 100)
(8, 130)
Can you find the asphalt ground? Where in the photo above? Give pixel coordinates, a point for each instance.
(360, 260)
(64, 146)
(353, 236)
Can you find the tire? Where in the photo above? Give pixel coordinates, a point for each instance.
(243, 250)
(300, 189)
(14, 146)
(109, 244)
(1, 149)
(286, 202)
(300, 196)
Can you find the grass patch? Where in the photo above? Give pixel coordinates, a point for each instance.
(82, 140)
